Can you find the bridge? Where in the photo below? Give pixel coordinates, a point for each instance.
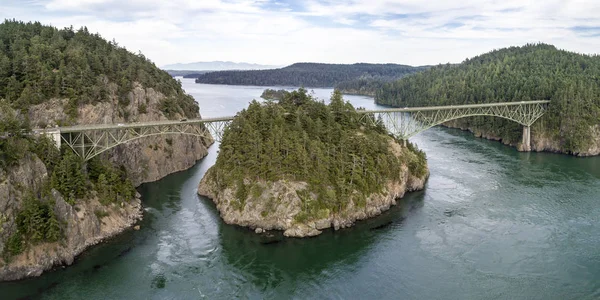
(89, 141)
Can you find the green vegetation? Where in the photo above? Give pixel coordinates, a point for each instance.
(13, 140)
(38, 63)
(270, 94)
(532, 72)
(69, 176)
(308, 74)
(333, 148)
(369, 85)
(35, 222)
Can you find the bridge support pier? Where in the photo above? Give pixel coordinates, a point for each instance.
(526, 141)
(54, 135)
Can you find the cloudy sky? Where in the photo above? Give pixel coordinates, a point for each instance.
(281, 32)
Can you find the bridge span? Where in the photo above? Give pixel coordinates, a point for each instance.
(91, 140)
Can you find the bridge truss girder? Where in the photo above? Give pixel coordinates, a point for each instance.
(90, 143)
(406, 123)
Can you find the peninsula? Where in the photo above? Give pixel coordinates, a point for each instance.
(54, 205)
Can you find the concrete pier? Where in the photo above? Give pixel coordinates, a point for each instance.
(526, 141)
(54, 134)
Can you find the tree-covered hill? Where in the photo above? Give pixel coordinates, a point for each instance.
(308, 74)
(340, 158)
(69, 76)
(532, 72)
(38, 63)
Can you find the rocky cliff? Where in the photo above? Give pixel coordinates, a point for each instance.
(147, 159)
(88, 222)
(277, 205)
(541, 140)
(85, 223)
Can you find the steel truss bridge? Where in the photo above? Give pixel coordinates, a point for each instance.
(89, 141)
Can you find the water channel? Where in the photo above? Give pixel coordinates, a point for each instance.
(492, 223)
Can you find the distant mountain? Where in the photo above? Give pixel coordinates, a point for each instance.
(217, 66)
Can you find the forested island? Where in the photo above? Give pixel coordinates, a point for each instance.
(270, 94)
(532, 72)
(53, 205)
(360, 78)
(301, 166)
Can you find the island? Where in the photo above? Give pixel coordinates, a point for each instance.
(271, 94)
(301, 166)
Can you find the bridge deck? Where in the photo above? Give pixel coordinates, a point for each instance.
(447, 107)
(80, 128)
(96, 127)
(91, 140)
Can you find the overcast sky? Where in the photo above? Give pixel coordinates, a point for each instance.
(282, 32)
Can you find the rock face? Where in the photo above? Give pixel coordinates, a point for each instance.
(147, 159)
(89, 222)
(540, 140)
(281, 202)
(84, 225)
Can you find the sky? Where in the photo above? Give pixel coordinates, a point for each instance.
(281, 32)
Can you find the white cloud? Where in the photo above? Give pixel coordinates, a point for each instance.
(273, 32)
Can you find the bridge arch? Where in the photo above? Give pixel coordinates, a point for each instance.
(88, 143)
(96, 150)
(405, 123)
(91, 140)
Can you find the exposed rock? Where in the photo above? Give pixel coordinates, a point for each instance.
(278, 205)
(322, 224)
(29, 173)
(540, 141)
(147, 159)
(136, 227)
(301, 230)
(258, 230)
(83, 229)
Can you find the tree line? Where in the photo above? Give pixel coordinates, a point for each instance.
(308, 74)
(38, 63)
(532, 72)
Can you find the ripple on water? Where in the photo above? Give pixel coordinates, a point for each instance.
(492, 223)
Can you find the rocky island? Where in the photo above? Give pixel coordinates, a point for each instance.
(301, 166)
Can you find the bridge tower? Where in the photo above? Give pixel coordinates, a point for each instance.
(526, 140)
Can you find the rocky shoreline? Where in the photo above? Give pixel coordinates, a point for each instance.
(85, 229)
(89, 222)
(540, 142)
(282, 200)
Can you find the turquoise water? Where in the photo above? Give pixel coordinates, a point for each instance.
(492, 223)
